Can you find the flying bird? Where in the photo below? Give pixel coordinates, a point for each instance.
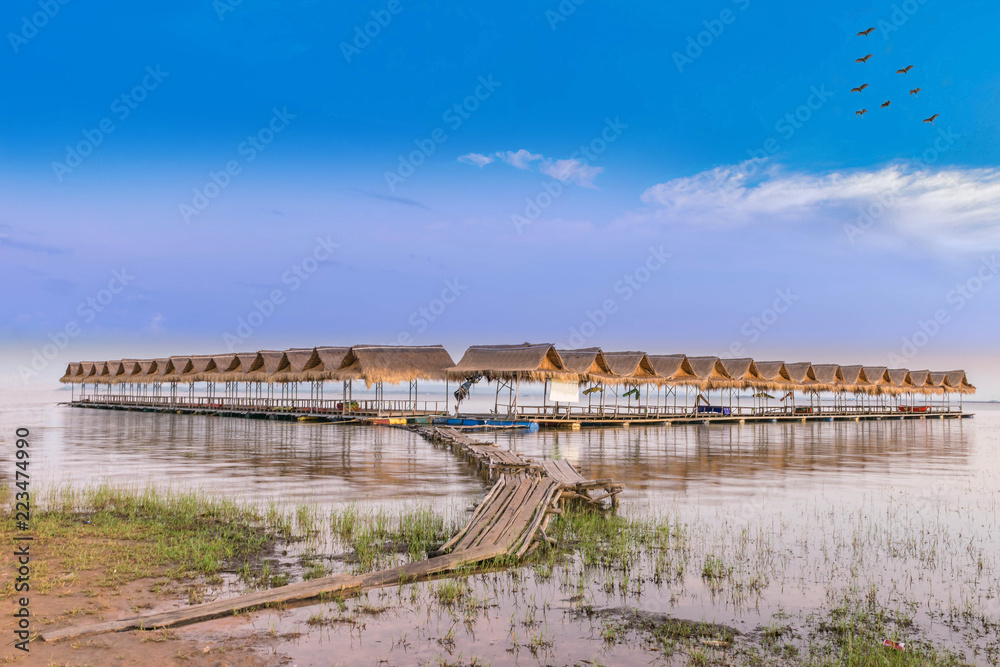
(866, 32)
(859, 88)
(905, 70)
(886, 103)
(914, 91)
(931, 119)
(865, 59)
(862, 112)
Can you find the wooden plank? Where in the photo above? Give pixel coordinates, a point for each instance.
(204, 612)
(489, 497)
(487, 517)
(483, 515)
(524, 492)
(540, 514)
(520, 521)
(572, 472)
(474, 536)
(337, 584)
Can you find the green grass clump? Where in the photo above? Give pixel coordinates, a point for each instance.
(131, 534)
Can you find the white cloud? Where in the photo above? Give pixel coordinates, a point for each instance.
(570, 170)
(955, 206)
(477, 159)
(521, 159)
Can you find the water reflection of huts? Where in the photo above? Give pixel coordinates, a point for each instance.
(627, 384)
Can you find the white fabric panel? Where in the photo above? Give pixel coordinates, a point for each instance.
(564, 392)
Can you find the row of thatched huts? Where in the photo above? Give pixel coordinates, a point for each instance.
(382, 364)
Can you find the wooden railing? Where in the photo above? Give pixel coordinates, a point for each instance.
(264, 404)
(710, 412)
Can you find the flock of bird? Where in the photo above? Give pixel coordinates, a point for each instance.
(905, 70)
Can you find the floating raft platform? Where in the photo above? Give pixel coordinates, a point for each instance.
(491, 422)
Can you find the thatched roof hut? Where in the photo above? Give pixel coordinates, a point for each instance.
(796, 374)
(102, 373)
(742, 373)
(265, 366)
(823, 377)
(131, 371)
(770, 374)
(116, 371)
(875, 380)
(73, 373)
(147, 370)
(177, 367)
(707, 371)
(669, 367)
(88, 371)
(589, 363)
(393, 364)
(921, 380)
(849, 379)
(160, 370)
(299, 359)
(201, 365)
(901, 381)
(240, 368)
(529, 362)
(957, 381)
(631, 368)
(220, 368)
(328, 361)
(937, 381)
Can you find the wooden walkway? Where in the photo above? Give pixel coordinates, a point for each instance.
(493, 462)
(509, 522)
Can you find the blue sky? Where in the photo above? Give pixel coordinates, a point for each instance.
(428, 185)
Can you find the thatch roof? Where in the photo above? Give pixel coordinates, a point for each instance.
(850, 378)
(875, 380)
(919, 378)
(299, 359)
(937, 382)
(770, 371)
(707, 369)
(88, 371)
(823, 377)
(669, 366)
(73, 373)
(202, 366)
(240, 368)
(742, 373)
(131, 371)
(220, 368)
(177, 367)
(589, 363)
(161, 369)
(959, 382)
(533, 362)
(116, 369)
(102, 373)
(631, 367)
(148, 370)
(329, 360)
(395, 363)
(901, 382)
(267, 364)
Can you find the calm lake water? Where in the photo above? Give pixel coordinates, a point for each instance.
(919, 496)
(326, 464)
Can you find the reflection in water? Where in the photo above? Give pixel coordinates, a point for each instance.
(804, 513)
(328, 464)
